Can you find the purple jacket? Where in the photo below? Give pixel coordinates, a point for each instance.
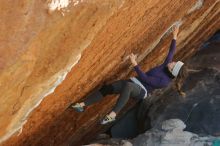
(157, 77)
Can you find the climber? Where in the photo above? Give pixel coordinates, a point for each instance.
(138, 87)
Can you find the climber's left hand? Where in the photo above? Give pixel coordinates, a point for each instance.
(133, 59)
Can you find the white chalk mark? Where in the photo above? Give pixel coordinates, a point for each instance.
(59, 77)
(58, 4)
(155, 43)
(197, 6)
(61, 5)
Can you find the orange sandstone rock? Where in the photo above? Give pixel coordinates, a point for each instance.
(52, 57)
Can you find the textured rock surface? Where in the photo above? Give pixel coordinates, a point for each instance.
(170, 133)
(58, 56)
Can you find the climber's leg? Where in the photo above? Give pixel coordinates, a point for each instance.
(129, 89)
(97, 95)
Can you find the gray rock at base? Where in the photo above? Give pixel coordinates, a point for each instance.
(171, 133)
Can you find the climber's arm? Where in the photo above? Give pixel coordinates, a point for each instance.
(172, 49)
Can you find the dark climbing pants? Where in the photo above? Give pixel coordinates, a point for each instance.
(125, 88)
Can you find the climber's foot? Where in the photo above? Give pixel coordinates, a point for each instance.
(107, 119)
(77, 107)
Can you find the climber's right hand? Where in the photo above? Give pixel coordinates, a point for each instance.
(175, 32)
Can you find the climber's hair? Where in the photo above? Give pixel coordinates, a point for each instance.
(179, 80)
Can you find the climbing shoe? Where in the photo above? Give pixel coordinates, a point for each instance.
(107, 120)
(77, 107)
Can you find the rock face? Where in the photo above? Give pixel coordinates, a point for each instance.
(170, 133)
(54, 52)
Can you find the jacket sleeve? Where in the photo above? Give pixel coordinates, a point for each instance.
(154, 81)
(171, 52)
